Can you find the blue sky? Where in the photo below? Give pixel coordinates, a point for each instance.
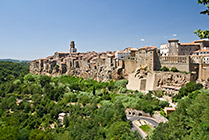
(31, 29)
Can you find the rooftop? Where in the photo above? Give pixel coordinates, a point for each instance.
(189, 44)
(201, 40)
(173, 40)
(147, 48)
(202, 51)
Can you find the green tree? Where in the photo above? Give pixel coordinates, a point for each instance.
(120, 131)
(65, 136)
(37, 134)
(188, 89)
(65, 121)
(23, 134)
(44, 80)
(199, 32)
(8, 128)
(189, 121)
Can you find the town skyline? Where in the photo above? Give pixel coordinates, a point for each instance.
(36, 29)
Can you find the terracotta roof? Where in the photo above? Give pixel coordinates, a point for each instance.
(148, 48)
(201, 40)
(134, 49)
(123, 51)
(202, 51)
(189, 44)
(130, 48)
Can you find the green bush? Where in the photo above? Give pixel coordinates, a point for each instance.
(123, 90)
(121, 83)
(164, 68)
(174, 69)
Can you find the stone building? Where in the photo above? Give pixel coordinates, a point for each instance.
(201, 53)
(122, 54)
(173, 47)
(148, 57)
(204, 44)
(181, 62)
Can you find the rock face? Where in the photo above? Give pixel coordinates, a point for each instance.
(98, 66)
(172, 79)
(171, 82)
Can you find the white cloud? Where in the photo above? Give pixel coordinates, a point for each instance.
(174, 34)
(142, 39)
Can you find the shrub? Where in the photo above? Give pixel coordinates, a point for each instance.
(123, 90)
(164, 68)
(121, 83)
(174, 69)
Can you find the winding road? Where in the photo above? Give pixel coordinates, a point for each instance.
(135, 127)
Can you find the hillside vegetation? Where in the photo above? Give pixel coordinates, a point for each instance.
(190, 120)
(30, 106)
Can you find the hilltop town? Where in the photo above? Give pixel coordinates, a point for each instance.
(145, 68)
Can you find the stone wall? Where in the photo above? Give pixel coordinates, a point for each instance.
(159, 80)
(133, 82)
(182, 63)
(130, 66)
(204, 74)
(175, 79)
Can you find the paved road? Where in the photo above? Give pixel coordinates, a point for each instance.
(133, 118)
(150, 120)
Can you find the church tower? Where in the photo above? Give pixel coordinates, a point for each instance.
(72, 47)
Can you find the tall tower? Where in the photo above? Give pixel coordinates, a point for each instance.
(72, 47)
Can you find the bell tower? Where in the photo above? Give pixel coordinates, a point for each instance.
(72, 47)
